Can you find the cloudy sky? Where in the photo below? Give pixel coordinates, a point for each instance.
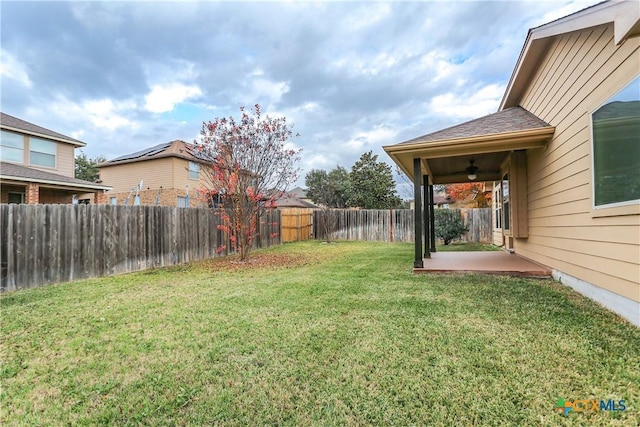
(351, 76)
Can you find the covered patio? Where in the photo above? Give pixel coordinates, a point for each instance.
(498, 262)
(489, 149)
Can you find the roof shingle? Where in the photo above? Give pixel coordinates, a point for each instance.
(23, 173)
(9, 121)
(175, 148)
(513, 119)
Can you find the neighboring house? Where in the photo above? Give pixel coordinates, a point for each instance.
(301, 194)
(37, 166)
(289, 201)
(168, 174)
(564, 148)
(296, 198)
(442, 200)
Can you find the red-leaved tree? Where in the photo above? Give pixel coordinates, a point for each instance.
(250, 164)
(472, 192)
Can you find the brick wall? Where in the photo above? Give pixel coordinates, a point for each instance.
(167, 197)
(50, 196)
(6, 189)
(33, 194)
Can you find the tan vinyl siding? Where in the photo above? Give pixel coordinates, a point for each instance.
(580, 71)
(181, 175)
(66, 160)
(154, 174)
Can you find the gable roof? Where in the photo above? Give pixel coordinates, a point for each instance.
(624, 15)
(14, 172)
(288, 201)
(15, 124)
(514, 119)
(298, 192)
(176, 148)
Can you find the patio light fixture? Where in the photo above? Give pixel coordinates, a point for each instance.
(472, 171)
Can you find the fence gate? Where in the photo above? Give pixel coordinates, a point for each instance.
(296, 224)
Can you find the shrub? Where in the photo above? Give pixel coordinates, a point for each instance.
(449, 225)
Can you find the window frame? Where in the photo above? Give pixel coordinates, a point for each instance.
(55, 152)
(505, 199)
(195, 171)
(497, 206)
(23, 197)
(616, 208)
(182, 202)
(4, 147)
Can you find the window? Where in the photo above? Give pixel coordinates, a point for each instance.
(113, 201)
(11, 147)
(16, 197)
(497, 203)
(616, 148)
(194, 170)
(506, 219)
(42, 152)
(183, 202)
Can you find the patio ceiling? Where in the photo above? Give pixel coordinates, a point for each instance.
(487, 141)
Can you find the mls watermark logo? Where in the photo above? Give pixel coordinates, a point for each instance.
(590, 405)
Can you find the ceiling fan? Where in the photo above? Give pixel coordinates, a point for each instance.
(472, 170)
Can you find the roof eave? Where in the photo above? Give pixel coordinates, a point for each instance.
(159, 156)
(41, 135)
(59, 184)
(402, 154)
(625, 16)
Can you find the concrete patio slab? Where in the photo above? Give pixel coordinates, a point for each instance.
(497, 262)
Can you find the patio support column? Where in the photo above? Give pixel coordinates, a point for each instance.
(427, 212)
(417, 220)
(433, 219)
(33, 194)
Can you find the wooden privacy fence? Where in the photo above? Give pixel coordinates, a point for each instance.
(43, 244)
(479, 222)
(394, 225)
(296, 224)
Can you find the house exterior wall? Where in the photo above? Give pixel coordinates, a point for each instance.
(51, 196)
(5, 189)
(154, 173)
(165, 196)
(181, 175)
(580, 71)
(65, 157)
(165, 178)
(66, 164)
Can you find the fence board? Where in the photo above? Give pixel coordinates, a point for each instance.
(392, 225)
(42, 244)
(296, 224)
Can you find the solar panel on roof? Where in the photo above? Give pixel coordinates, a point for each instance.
(146, 152)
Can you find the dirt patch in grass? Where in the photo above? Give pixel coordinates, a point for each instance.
(266, 260)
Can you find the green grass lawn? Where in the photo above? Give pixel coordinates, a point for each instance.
(344, 334)
(467, 247)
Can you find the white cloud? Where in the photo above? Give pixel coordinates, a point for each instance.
(262, 88)
(378, 136)
(104, 114)
(437, 63)
(13, 69)
(164, 98)
(468, 105)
